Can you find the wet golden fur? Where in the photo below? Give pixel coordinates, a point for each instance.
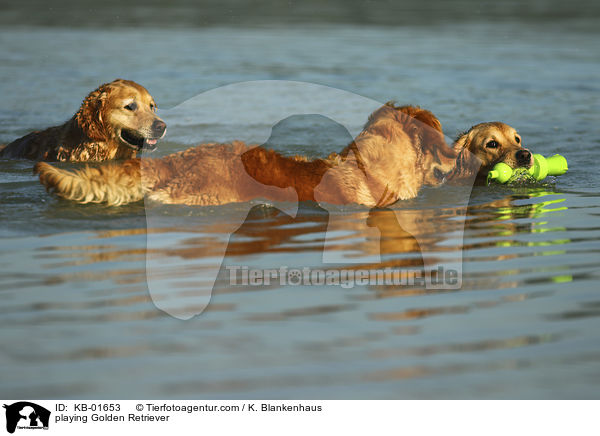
(95, 132)
(399, 150)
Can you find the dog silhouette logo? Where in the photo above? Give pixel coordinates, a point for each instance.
(26, 415)
(360, 169)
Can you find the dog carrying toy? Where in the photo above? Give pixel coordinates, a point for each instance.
(542, 167)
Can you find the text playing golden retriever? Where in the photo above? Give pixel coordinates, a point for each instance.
(114, 122)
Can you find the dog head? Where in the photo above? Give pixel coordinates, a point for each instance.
(425, 130)
(123, 112)
(494, 142)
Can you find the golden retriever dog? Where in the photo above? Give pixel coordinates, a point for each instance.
(114, 122)
(399, 150)
(483, 146)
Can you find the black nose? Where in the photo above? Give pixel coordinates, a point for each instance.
(159, 127)
(523, 156)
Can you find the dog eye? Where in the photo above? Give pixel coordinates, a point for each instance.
(518, 139)
(492, 144)
(152, 107)
(131, 106)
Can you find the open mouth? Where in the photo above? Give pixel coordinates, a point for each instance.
(440, 175)
(136, 141)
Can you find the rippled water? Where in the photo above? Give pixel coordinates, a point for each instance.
(77, 318)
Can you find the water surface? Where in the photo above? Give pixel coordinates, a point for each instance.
(77, 319)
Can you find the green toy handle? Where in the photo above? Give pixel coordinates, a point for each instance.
(542, 167)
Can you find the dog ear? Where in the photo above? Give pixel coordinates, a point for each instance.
(462, 141)
(90, 116)
(422, 115)
(467, 164)
(425, 126)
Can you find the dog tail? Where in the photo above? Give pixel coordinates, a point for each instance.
(113, 184)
